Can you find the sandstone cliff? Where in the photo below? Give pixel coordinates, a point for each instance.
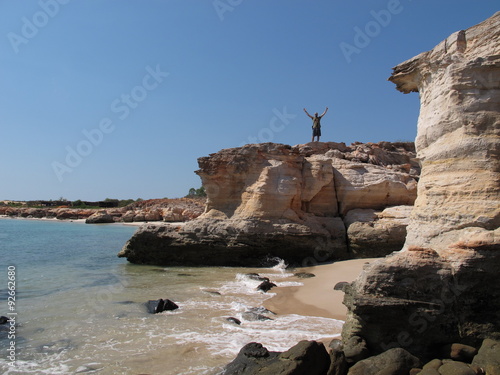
(273, 200)
(444, 287)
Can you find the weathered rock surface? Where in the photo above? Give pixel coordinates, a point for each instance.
(373, 233)
(457, 137)
(100, 217)
(488, 357)
(251, 242)
(273, 200)
(392, 362)
(307, 357)
(443, 288)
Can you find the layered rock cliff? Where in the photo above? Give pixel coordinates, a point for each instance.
(272, 200)
(443, 287)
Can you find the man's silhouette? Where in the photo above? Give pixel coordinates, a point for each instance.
(316, 126)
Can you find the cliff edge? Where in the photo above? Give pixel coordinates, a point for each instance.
(306, 204)
(443, 287)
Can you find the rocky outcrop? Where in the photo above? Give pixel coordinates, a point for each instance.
(373, 234)
(443, 287)
(273, 200)
(168, 210)
(307, 357)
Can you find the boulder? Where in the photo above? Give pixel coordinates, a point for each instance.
(128, 216)
(488, 357)
(455, 368)
(234, 320)
(459, 352)
(392, 362)
(307, 357)
(160, 305)
(266, 286)
(100, 217)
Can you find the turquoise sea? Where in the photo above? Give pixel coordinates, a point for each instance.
(79, 309)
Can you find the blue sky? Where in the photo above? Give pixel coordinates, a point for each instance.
(118, 98)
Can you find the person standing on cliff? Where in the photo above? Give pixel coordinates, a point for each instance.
(316, 126)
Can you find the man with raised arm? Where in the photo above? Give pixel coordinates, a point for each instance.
(316, 126)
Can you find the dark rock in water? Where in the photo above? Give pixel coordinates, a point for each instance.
(253, 316)
(304, 275)
(185, 274)
(256, 277)
(266, 286)
(355, 349)
(459, 352)
(160, 305)
(488, 357)
(392, 362)
(261, 310)
(234, 320)
(341, 286)
(307, 357)
(213, 292)
(4, 320)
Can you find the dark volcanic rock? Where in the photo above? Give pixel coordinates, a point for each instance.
(160, 305)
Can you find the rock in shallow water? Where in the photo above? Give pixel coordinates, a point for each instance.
(160, 305)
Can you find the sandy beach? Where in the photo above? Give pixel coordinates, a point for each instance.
(317, 296)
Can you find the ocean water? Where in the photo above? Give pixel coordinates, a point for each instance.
(80, 309)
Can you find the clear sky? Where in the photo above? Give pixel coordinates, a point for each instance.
(118, 98)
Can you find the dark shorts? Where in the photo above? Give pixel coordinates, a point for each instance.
(316, 132)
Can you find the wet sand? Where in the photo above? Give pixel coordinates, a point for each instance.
(317, 296)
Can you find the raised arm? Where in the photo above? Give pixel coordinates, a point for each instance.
(305, 110)
(324, 113)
